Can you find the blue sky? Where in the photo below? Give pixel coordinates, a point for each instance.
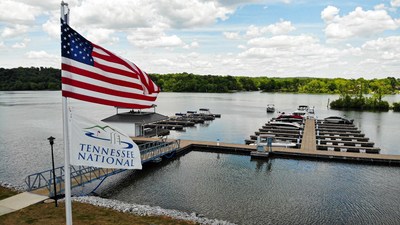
(283, 38)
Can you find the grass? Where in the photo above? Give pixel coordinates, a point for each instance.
(5, 193)
(82, 214)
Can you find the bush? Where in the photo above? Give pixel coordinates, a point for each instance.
(396, 106)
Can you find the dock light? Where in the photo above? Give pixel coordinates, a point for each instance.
(51, 140)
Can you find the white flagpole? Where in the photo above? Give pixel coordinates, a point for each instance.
(67, 170)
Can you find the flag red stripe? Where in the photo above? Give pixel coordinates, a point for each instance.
(99, 77)
(142, 76)
(115, 70)
(103, 101)
(108, 91)
(114, 59)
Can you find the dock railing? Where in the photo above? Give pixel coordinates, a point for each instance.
(81, 175)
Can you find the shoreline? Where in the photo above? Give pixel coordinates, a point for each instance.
(146, 210)
(135, 209)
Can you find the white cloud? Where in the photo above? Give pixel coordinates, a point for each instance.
(52, 26)
(329, 13)
(163, 62)
(192, 13)
(253, 31)
(40, 55)
(282, 27)
(358, 23)
(194, 44)
(22, 44)
(108, 14)
(282, 41)
(386, 50)
(36, 58)
(153, 37)
(380, 7)
(46, 5)
(395, 3)
(16, 30)
(143, 13)
(19, 45)
(383, 44)
(15, 12)
(279, 28)
(101, 36)
(231, 35)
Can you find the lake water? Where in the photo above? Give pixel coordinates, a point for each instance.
(223, 186)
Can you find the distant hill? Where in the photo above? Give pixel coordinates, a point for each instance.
(32, 78)
(42, 78)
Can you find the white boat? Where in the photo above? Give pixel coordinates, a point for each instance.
(285, 125)
(305, 111)
(338, 119)
(270, 108)
(262, 140)
(303, 108)
(277, 144)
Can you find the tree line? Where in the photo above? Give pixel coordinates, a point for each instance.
(43, 78)
(187, 82)
(32, 78)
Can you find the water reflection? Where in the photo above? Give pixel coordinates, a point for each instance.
(261, 163)
(230, 187)
(276, 191)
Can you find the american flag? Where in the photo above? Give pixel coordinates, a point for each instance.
(94, 74)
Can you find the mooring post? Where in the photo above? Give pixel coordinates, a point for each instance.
(269, 142)
(51, 140)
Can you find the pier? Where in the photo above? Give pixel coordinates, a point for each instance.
(331, 146)
(300, 153)
(310, 145)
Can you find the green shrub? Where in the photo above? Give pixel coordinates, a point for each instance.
(396, 106)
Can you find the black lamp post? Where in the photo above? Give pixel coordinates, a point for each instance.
(51, 140)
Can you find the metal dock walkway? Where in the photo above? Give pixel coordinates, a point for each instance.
(42, 182)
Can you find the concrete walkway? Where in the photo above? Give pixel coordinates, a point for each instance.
(19, 201)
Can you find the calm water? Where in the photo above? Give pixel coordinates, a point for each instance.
(280, 191)
(221, 186)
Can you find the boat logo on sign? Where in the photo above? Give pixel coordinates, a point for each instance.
(107, 134)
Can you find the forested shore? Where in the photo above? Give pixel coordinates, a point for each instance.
(352, 91)
(42, 78)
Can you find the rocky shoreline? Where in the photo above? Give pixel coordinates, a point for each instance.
(141, 210)
(146, 210)
(12, 187)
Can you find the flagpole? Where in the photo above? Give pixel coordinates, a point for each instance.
(67, 170)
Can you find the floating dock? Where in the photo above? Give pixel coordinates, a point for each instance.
(308, 150)
(182, 120)
(316, 140)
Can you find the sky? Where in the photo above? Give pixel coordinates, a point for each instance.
(274, 38)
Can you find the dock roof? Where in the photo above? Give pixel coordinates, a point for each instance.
(136, 117)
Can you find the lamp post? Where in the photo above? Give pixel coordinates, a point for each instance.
(51, 140)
